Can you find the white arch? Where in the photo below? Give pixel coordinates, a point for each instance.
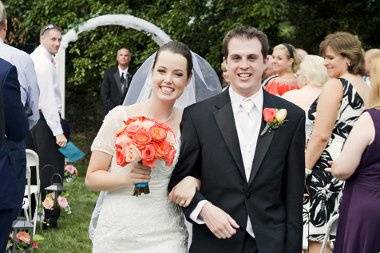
(128, 21)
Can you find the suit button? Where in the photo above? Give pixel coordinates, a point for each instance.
(247, 195)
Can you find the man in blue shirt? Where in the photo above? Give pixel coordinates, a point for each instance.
(25, 70)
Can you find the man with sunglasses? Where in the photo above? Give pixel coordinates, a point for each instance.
(48, 134)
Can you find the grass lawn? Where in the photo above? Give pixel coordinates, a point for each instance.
(72, 234)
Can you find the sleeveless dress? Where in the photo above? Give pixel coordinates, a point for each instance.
(279, 88)
(323, 189)
(359, 212)
(147, 223)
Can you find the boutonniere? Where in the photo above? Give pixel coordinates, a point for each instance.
(274, 118)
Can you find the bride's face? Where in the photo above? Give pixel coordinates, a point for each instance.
(169, 76)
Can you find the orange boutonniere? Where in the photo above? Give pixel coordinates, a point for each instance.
(274, 119)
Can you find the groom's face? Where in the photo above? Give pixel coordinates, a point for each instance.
(245, 65)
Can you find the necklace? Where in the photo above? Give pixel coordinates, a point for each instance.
(167, 119)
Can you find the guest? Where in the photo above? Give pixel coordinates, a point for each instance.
(340, 104)
(269, 72)
(301, 53)
(48, 134)
(369, 54)
(359, 165)
(224, 74)
(25, 70)
(310, 77)
(116, 81)
(13, 129)
(285, 64)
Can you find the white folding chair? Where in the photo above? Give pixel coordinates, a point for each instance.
(32, 160)
(332, 226)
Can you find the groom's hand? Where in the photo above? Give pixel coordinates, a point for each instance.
(220, 223)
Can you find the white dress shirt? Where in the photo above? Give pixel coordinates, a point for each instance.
(27, 78)
(50, 99)
(123, 71)
(247, 140)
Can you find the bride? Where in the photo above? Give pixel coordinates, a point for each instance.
(149, 222)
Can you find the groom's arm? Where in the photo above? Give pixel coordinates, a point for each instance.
(189, 160)
(294, 187)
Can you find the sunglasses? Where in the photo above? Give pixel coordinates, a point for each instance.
(49, 27)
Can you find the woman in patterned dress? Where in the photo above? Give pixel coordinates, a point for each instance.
(340, 104)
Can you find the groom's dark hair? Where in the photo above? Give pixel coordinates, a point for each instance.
(180, 48)
(246, 32)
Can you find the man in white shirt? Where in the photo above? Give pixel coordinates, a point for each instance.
(25, 72)
(116, 81)
(251, 171)
(48, 135)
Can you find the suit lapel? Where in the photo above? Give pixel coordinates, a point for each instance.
(225, 120)
(263, 141)
(117, 80)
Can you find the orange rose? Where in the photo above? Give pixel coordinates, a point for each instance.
(132, 154)
(269, 114)
(120, 131)
(157, 132)
(48, 202)
(141, 137)
(170, 157)
(120, 157)
(23, 236)
(132, 129)
(162, 149)
(122, 141)
(148, 156)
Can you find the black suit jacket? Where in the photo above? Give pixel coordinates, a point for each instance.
(272, 197)
(111, 90)
(12, 175)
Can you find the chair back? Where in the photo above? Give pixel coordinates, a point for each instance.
(32, 160)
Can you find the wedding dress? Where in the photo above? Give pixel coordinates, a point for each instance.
(147, 223)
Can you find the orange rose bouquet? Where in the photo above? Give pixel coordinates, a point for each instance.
(144, 140)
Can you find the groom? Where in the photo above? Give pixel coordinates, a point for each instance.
(250, 199)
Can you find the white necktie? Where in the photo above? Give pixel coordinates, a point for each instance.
(247, 125)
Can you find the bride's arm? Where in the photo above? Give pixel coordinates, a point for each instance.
(184, 191)
(98, 178)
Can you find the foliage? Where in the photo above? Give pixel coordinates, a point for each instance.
(199, 23)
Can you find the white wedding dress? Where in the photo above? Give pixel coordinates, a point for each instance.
(148, 223)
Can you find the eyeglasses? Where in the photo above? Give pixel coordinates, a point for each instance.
(49, 27)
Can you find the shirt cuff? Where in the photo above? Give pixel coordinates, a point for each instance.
(195, 213)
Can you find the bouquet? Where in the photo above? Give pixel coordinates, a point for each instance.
(146, 141)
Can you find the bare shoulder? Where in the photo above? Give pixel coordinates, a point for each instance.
(333, 88)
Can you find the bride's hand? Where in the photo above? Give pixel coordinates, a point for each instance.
(138, 174)
(184, 191)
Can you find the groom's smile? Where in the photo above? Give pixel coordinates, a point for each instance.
(245, 65)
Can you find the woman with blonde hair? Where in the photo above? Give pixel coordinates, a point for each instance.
(311, 76)
(359, 165)
(334, 113)
(286, 62)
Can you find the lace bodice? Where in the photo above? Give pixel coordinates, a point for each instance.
(147, 223)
